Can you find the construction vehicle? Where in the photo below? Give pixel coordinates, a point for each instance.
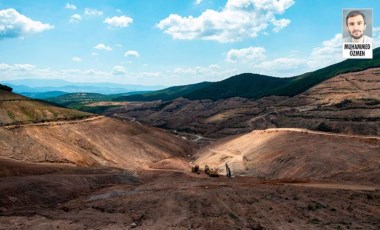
(212, 172)
(195, 169)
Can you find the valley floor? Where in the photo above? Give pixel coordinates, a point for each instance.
(80, 198)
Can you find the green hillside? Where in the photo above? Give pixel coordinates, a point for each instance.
(165, 94)
(79, 101)
(16, 109)
(72, 99)
(255, 86)
(246, 85)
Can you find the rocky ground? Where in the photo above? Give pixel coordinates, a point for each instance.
(174, 199)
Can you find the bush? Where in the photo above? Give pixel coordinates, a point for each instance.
(6, 88)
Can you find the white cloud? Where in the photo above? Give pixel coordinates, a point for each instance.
(119, 21)
(4, 67)
(197, 2)
(14, 24)
(75, 18)
(119, 70)
(94, 54)
(238, 20)
(70, 6)
(330, 52)
(102, 47)
(24, 67)
(279, 65)
(150, 74)
(92, 12)
(17, 67)
(280, 24)
(246, 54)
(131, 53)
(92, 72)
(198, 70)
(76, 59)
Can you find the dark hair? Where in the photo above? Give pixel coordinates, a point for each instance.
(353, 14)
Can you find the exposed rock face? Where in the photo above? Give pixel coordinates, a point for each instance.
(348, 103)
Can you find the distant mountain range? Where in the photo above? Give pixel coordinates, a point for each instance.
(55, 87)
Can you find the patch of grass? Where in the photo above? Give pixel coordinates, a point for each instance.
(11, 115)
(314, 221)
(30, 115)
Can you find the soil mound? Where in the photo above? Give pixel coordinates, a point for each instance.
(297, 154)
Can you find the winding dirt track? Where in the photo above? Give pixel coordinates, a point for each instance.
(51, 123)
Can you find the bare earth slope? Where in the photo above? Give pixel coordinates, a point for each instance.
(296, 154)
(96, 142)
(348, 103)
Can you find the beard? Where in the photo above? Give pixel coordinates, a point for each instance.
(356, 36)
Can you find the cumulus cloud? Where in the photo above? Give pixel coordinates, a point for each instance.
(119, 70)
(328, 53)
(24, 67)
(197, 2)
(4, 67)
(119, 21)
(92, 12)
(246, 55)
(238, 20)
(280, 24)
(101, 46)
(131, 53)
(13, 24)
(198, 70)
(280, 64)
(75, 18)
(70, 6)
(76, 59)
(17, 67)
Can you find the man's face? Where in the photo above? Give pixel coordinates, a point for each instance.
(356, 26)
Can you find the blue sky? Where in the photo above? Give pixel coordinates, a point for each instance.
(170, 42)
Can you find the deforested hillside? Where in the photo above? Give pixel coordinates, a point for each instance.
(94, 142)
(347, 103)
